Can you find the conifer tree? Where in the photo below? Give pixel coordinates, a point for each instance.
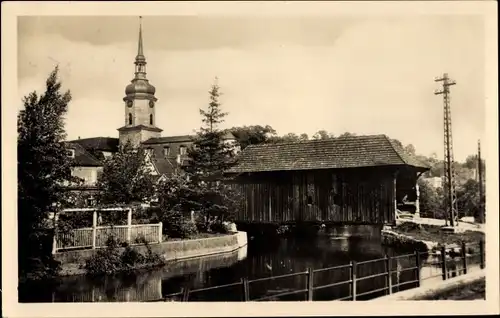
(43, 169)
(210, 156)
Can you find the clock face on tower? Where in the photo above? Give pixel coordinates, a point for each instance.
(151, 103)
(129, 103)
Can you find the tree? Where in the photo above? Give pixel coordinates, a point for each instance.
(253, 135)
(125, 177)
(410, 149)
(431, 200)
(346, 134)
(471, 162)
(322, 135)
(468, 201)
(43, 168)
(210, 156)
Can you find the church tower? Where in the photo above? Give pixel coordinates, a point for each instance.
(139, 104)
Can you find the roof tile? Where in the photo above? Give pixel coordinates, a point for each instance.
(336, 153)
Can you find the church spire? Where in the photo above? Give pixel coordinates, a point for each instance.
(139, 49)
(140, 59)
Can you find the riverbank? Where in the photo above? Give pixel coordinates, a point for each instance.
(427, 237)
(464, 287)
(73, 262)
(469, 291)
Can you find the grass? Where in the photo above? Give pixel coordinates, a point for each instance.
(470, 291)
(434, 233)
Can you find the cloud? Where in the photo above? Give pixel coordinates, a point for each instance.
(363, 76)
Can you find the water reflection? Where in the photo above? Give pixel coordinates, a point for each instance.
(259, 259)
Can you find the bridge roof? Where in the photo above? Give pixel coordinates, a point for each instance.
(335, 153)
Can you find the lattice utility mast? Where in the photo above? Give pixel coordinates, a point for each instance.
(449, 174)
(482, 216)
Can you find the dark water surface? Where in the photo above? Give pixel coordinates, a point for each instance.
(267, 257)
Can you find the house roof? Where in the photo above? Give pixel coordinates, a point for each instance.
(98, 143)
(82, 157)
(336, 153)
(183, 138)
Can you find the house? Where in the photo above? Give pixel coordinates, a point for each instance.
(165, 154)
(339, 180)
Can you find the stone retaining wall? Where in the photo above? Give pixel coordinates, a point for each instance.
(72, 261)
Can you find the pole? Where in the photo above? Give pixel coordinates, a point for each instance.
(160, 232)
(450, 194)
(129, 224)
(94, 228)
(480, 179)
(353, 279)
(310, 284)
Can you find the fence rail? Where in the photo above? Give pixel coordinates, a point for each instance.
(96, 237)
(353, 280)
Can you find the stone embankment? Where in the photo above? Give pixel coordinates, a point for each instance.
(415, 239)
(72, 261)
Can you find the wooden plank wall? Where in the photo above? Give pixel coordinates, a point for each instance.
(326, 196)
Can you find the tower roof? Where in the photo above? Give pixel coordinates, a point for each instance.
(140, 84)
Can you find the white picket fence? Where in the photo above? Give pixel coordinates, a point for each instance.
(97, 237)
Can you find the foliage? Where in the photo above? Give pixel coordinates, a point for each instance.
(205, 191)
(210, 156)
(322, 135)
(43, 167)
(109, 260)
(431, 200)
(468, 201)
(253, 135)
(125, 177)
(105, 261)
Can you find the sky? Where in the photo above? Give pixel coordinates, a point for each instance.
(365, 75)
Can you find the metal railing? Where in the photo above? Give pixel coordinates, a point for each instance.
(354, 278)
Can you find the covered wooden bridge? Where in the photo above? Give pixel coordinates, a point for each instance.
(351, 180)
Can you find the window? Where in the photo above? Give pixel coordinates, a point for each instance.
(129, 118)
(182, 150)
(151, 119)
(70, 153)
(166, 151)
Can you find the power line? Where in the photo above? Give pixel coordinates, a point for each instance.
(449, 175)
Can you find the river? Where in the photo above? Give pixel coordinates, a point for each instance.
(267, 257)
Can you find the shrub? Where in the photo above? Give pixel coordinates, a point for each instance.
(130, 257)
(110, 260)
(218, 227)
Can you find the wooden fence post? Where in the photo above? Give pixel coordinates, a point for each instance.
(246, 289)
(185, 293)
(160, 232)
(94, 228)
(353, 279)
(443, 262)
(389, 273)
(129, 224)
(482, 264)
(418, 265)
(464, 257)
(310, 284)
(54, 239)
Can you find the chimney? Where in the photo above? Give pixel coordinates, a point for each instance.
(178, 159)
